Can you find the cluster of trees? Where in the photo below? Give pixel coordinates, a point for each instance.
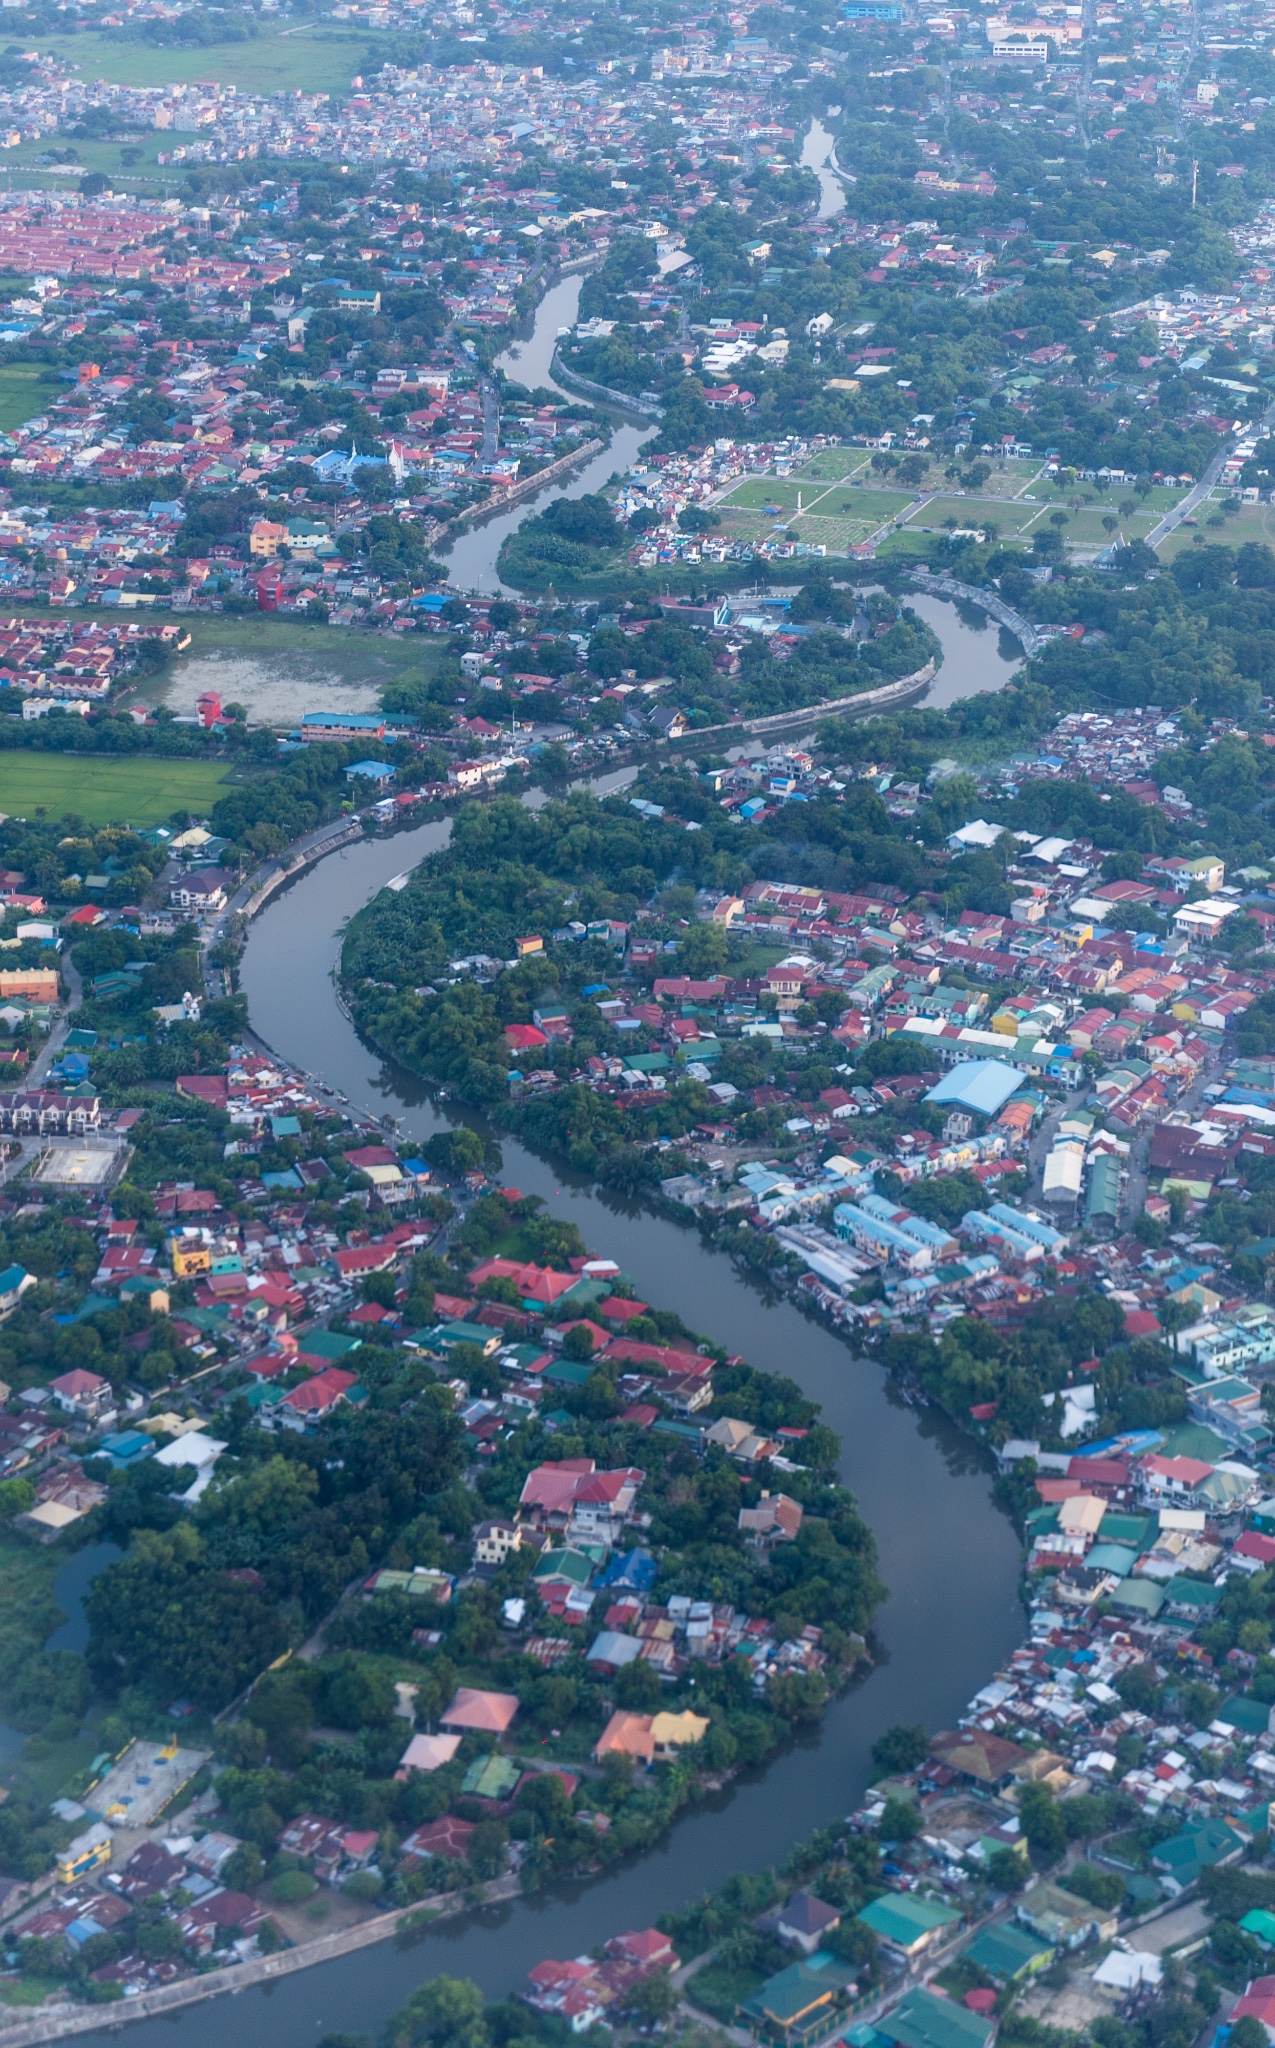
(973, 1363)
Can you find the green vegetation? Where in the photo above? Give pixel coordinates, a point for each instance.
(297, 62)
(22, 395)
(103, 789)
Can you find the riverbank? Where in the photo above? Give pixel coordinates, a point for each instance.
(64, 2021)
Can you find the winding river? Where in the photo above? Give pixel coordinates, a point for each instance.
(950, 1559)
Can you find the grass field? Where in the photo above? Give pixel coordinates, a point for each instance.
(106, 790)
(22, 395)
(310, 61)
(1008, 516)
(835, 464)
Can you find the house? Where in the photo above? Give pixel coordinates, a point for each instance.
(85, 1852)
(480, 1713)
(775, 1519)
(626, 1734)
(14, 1282)
(908, 1923)
(672, 1732)
(800, 2003)
(646, 1950)
(315, 1399)
(447, 1837)
(571, 1491)
(924, 2020)
(149, 1870)
(671, 725)
(740, 1440)
(988, 1759)
(603, 1502)
(83, 1394)
(204, 890)
(1064, 1920)
(1007, 1953)
(223, 1912)
(1258, 2003)
(1203, 1844)
(427, 1753)
(804, 1920)
(611, 1651)
(495, 1541)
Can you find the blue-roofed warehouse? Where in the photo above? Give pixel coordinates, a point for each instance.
(981, 1085)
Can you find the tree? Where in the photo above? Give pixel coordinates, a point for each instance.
(637, 1687)
(486, 1848)
(653, 1999)
(447, 2012)
(900, 1749)
(1042, 1824)
(589, 520)
(354, 1695)
(1006, 1869)
(900, 1821)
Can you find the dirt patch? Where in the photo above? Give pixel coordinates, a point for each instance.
(275, 690)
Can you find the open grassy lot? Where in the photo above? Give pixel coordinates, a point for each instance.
(1251, 522)
(833, 465)
(22, 395)
(105, 789)
(758, 491)
(311, 61)
(1007, 514)
(858, 502)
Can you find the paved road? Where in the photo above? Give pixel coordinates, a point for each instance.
(1199, 492)
(43, 1060)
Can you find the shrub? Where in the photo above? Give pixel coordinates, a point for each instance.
(291, 1887)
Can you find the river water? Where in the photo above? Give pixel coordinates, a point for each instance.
(950, 1559)
(471, 562)
(978, 655)
(816, 154)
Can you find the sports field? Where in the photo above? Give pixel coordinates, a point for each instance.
(106, 790)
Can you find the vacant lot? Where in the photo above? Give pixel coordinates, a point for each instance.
(106, 790)
(22, 395)
(309, 62)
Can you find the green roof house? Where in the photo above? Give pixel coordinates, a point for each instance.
(492, 1777)
(924, 2020)
(1202, 1845)
(1261, 1925)
(1007, 1953)
(563, 1567)
(906, 1922)
(801, 2002)
(1192, 1599)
